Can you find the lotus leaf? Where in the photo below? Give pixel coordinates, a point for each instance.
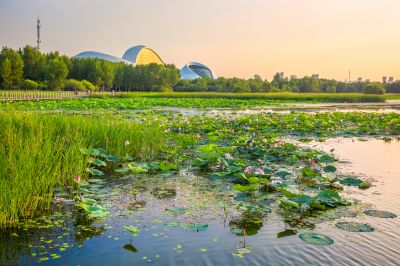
(354, 227)
(380, 214)
(316, 239)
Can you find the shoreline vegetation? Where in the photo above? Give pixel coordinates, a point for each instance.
(28, 68)
(149, 100)
(40, 152)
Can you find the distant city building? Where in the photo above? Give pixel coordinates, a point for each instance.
(194, 70)
(367, 80)
(359, 79)
(137, 55)
(384, 79)
(280, 74)
(390, 80)
(293, 77)
(315, 76)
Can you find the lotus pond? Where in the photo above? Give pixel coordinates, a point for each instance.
(250, 189)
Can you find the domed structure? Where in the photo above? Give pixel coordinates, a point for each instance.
(194, 70)
(137, 55)
(142, 55)
(98, 55)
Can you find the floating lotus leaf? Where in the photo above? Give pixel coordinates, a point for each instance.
(302, 199)
(242, 188)
(131, 248)
(94, 172)
(316, 239)
(243, 196)
(171, 224)
(330, 169)
(98, 162)
(196, 227)
(289, 203)
(93, 209)
(112, 158)
(351, 181)
(326, 159)
(131, 229)
(167, 166)
(354, 227)
(285, 233)
(380, 214)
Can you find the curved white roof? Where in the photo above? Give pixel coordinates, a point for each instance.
(132, 54)
(98, 55)
(194, 70)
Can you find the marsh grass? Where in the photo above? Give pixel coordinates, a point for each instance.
(282, 96)
(39, 152)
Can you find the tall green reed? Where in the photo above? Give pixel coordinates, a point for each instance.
(39, 152)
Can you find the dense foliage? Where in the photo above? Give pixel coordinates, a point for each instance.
(39, 152)
(279, 84)
(50, 72)
(55, 72)
(130, 101)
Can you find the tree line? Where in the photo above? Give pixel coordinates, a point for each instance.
(282, 84)
(28, 68)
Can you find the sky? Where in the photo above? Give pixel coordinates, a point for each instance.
(235, 38)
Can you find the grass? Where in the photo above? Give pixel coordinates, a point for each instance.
(283, 96)
(40, 152)
(392, 96)
(140, 100)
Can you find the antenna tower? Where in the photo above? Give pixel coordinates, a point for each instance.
(38, 27)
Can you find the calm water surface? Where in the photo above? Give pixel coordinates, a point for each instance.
(103, 243)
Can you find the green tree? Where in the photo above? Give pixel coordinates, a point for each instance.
(34, 63)
(6, 73)
(15, 63)
(57, 73)
(29, 85)
(107, 73)
(374, 88)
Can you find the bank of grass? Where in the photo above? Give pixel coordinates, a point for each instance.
(283, 96)
(39, 152)
(392, 96)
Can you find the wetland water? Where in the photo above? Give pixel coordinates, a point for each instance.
(187, 220)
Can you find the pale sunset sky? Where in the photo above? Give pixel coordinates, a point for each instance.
(233, 37)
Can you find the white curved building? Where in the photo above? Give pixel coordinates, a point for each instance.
(194, 70)
(142, 55)
(136, 55)
(93, 54)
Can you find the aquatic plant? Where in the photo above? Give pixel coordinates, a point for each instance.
(40, 152)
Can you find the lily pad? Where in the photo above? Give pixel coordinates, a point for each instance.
(380, 214)
(131, 248)
(316, 239)
(171, 224)
(351, 181)
(330, 169)
(288, 232)
(196, 227)
(354, 227)
(98, 162)
(289, 203)
(326, 159)
(94, 172)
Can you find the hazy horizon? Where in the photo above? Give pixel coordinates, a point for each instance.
(234, 38)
